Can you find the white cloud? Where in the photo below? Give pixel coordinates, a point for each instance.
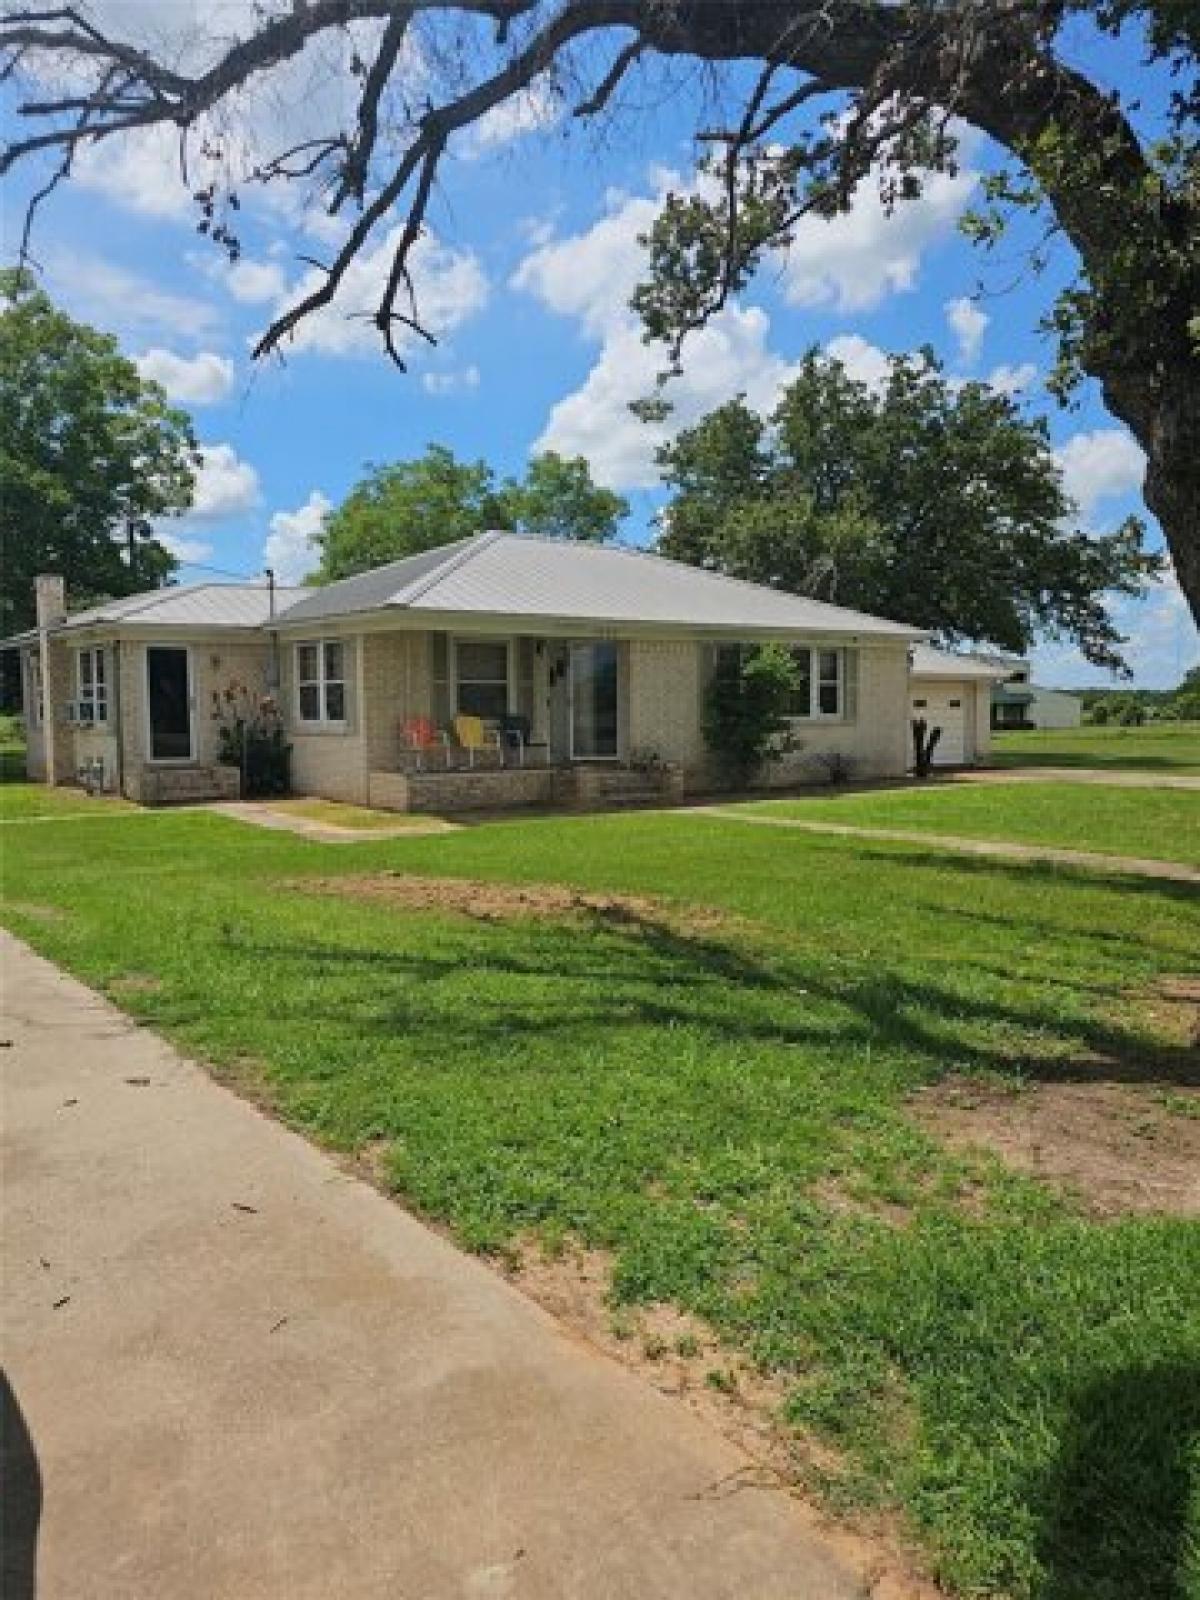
(119, 300)
(253, 282)
(291, 550)
(225, 484)
(968, 325)
(727, 358)
(1163, 643)
(862, 360)
(189, 551)
(199, 380)
(1011, 380)
(1096, 466)
(450, 382)
(141, 172)
(591, 275)
(451, 287)
(539, 107)
(854, 261)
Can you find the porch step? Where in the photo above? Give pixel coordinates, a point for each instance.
(177, 786)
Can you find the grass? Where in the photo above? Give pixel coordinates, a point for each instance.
(1021, 1382)
(1155, 747)
(1163, 824)
(338, 815)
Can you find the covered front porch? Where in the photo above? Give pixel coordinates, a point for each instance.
(465, 721)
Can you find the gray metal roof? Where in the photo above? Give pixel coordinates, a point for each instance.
(381, 586)
(515, 575)
(930, 663)
(185, 605)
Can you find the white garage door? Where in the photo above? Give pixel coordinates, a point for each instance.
(944, 709)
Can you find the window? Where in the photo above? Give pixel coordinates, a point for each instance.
(91, 684)
(481, 677)
(819, 685)
(321, 681)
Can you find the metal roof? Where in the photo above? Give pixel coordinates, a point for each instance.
(930, 663)
(516, 575)
(185, 605)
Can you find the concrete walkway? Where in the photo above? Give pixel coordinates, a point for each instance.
(1118, 777)
(241, 1373)
(1094, 860)
(260, 814)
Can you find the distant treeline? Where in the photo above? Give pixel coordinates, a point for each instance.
(1132, 706)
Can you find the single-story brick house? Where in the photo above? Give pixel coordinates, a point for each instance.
(600, 655)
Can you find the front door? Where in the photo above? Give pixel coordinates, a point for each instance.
(593, 680)
(169, 702)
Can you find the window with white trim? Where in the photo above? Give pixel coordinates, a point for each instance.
(91, 684)
(321, 682)
(481, 676)
(820, 684)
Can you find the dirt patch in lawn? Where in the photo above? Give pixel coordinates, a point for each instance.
(131, 983)
(37, 913)
(684, 1359)
(1116, 1147)
(501, 902)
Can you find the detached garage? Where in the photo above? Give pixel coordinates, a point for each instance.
(953, 693)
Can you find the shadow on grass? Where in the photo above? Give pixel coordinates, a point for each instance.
(646, 972)
(12, 766)
(1119, 1501)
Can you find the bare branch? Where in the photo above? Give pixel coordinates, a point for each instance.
(358, 158)
(607, 86)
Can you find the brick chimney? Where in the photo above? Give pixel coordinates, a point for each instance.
(50, 598)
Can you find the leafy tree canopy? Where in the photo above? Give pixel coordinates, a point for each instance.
(799, 105)
(410, 506)
(924, 500)
(90, 455)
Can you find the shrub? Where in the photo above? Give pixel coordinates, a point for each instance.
(837, 766)
(250, 737)
(746, 709)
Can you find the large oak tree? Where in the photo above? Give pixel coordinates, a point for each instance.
(897, 78)
(921, 499)
(91, 456)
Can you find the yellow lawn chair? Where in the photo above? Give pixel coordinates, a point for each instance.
(475, 737)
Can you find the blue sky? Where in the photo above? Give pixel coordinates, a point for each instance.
(525, 274)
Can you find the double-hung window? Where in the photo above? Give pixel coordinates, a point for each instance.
(820, 691)
(321, 682)
(481, 673)
(91, 683)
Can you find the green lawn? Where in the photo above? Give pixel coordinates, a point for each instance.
(1160, 823)
(722, 1105)
(1156, 747)
(21, 801)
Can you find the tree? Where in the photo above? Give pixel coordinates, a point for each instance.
(410, 506)
(932, 502)
(90, 456)
(558, 500)
(845, 91)
(746, 708)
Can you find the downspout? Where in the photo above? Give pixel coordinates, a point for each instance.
(118, 724)
(273, 672)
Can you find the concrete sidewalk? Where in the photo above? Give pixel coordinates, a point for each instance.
(245, 1374)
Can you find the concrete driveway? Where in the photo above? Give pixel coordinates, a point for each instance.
(237, 1372)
